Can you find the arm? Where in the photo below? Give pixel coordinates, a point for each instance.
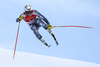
(44, 18)
(41, 16)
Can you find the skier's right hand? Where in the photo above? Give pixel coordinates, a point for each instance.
(17, 20)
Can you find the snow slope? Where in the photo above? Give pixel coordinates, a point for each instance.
(32, 60)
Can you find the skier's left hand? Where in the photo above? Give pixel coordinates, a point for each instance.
(50, 26)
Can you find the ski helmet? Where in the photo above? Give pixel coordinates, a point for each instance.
(28, 8)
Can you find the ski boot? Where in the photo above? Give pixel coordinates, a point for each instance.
(52, 34)
(43, 41)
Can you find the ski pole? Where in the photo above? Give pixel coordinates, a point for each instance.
(16, 40)
(73, 26)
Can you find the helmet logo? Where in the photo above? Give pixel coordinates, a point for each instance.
(28, 8)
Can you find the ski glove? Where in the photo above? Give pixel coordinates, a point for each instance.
(50, 26)
(20, 18)
(17, 20)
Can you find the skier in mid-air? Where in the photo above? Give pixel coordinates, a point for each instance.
(35, 20)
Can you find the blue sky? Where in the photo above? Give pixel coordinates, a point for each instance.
(74, 43)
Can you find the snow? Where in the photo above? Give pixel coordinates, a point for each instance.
(32, 60)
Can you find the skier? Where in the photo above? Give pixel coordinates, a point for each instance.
(35, 20)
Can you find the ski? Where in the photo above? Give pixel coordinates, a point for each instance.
(55, 39)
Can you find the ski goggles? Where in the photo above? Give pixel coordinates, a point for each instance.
(28, 12)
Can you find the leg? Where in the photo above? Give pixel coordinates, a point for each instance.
(49, 30)
(35, 30)
(55, 39)
(52, 34)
